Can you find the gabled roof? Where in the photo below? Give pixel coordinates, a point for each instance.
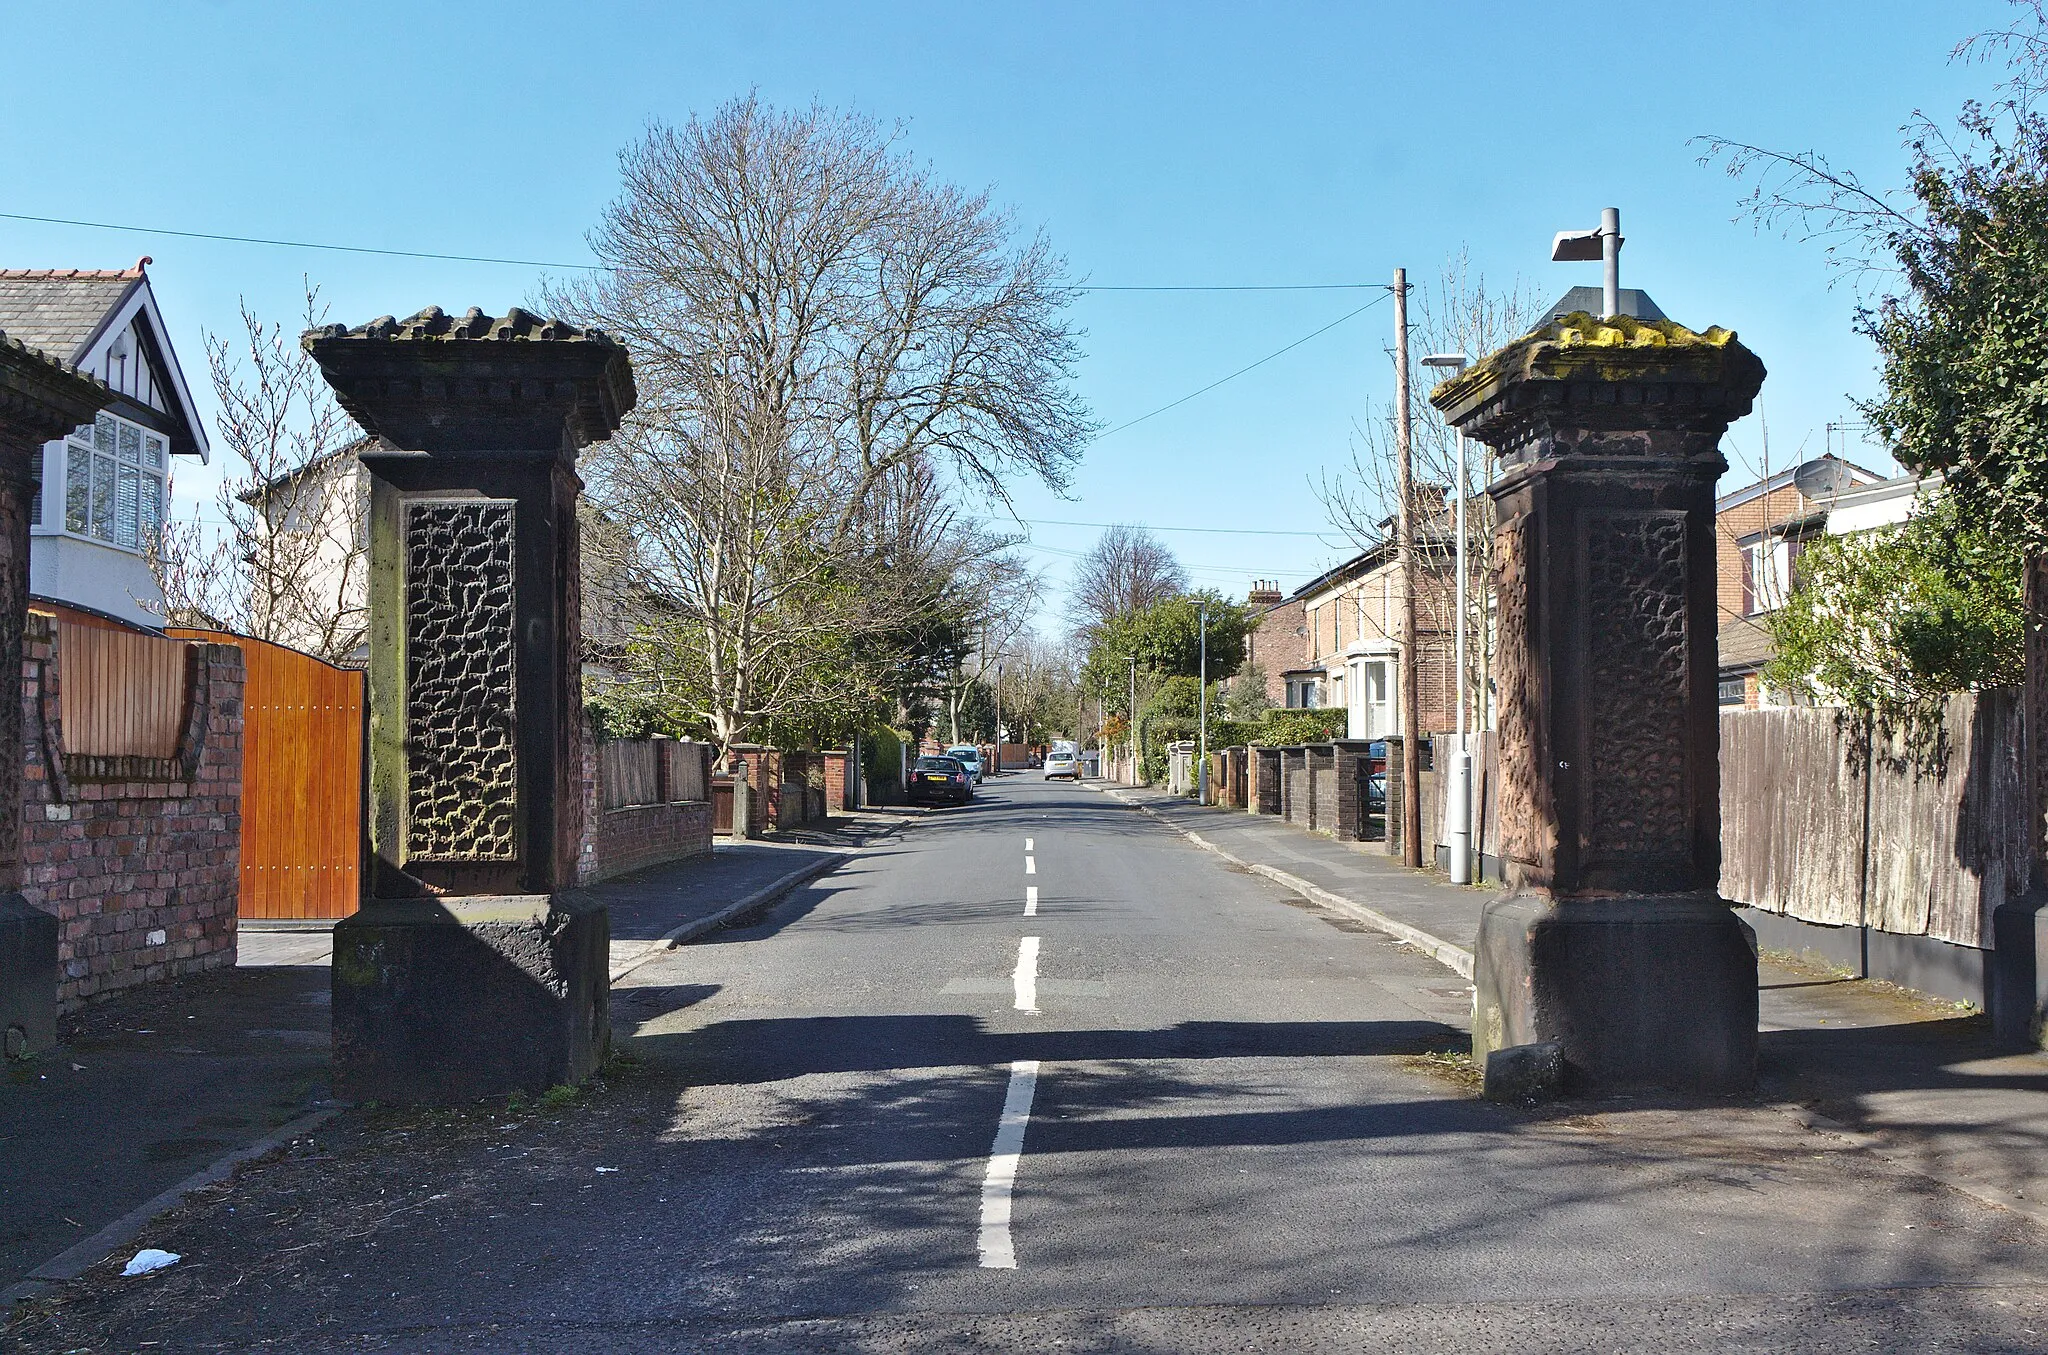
(346, 451)
(76, 314)
(1856, 475)
(61, 310)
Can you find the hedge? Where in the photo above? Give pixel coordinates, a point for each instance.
(1285, 728)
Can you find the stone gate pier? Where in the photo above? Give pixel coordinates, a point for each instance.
(474, 967)
(40, 398)
(1610, 937)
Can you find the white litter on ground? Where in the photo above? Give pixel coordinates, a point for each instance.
(607, 1169)
(148, 1259)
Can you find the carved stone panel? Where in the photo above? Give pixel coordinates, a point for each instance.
(1522, 831)
(1633, 573)
(461, 765)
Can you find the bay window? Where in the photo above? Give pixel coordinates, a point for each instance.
(115, 482)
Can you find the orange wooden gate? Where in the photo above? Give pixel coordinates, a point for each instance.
(302, 781)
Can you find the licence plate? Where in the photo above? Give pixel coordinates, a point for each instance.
(930, 776)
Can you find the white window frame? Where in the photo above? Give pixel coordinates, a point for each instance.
(124, 496)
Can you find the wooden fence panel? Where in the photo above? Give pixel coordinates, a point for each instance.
(1819, 826)
(302, 778)
(1792, 813)
(122, 693)
(627, 773)
(684, 777)
(1947, 833)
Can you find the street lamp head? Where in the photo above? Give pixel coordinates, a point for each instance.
(1576, 247)
(1457, 362)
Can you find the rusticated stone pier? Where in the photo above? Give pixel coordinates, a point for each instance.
(1610, 938)
(474, 967)
(40, 399)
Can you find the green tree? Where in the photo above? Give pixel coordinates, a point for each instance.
(1166, 638)
(1961, 330)
(1895, 619)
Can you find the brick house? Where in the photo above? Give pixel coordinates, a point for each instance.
(1278, 642)
(1352, 619)
(1760, 529)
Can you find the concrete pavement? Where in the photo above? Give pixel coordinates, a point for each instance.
(170, 1084)
(1916, 1079)
(1245, 1132)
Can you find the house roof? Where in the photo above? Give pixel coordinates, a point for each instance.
(61, 310)
(347, 451)
(1746, 644)
(77, 314)
(1858, 476)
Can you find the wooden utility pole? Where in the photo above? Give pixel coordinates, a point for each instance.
(1411, 703)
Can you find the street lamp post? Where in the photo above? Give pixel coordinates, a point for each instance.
(1133, 716)
(1202, 705)
(1604, 244)
(1460, 789)
(999, 719)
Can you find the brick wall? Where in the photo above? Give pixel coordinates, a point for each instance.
(1322, 770)
(633, 838)
(618, 841)
(1277, 643)
(139, 858)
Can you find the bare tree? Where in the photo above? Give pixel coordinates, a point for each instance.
(287, 560)
(829, 342)
(1459, 313)
(1126, 571)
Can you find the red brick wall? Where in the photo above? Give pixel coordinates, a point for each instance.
(646, 835)
(142, 873)
(835, 780)
(616, 841)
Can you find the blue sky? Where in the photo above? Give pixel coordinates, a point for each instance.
(1156, 144)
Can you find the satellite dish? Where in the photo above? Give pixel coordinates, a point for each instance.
(1822, 478)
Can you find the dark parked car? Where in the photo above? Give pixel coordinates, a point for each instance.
(939, 780)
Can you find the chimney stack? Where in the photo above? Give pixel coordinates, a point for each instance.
(1264, 593)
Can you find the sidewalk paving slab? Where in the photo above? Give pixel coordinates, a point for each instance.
(170, 1080)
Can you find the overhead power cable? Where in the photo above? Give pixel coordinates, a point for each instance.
(1221, 531)
(598, 267)
(1280, 352)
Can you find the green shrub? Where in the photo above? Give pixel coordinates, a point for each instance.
(1284, 728)
(1177, 696)
(882, 760)
(1231, 733)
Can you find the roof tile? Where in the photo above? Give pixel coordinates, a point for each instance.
(57, 309)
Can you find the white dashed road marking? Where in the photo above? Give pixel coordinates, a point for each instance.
(1031, 900)
(1031, 865)
(1003, 1156)
(1026, 978)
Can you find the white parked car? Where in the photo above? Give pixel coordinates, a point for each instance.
(1062, 762)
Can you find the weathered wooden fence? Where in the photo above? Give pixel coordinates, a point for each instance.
(1484, 746)
(1822, 822)
(649, 771)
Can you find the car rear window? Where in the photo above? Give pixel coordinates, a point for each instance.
(938, 764)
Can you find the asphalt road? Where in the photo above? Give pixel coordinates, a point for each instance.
(1235, 1139)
